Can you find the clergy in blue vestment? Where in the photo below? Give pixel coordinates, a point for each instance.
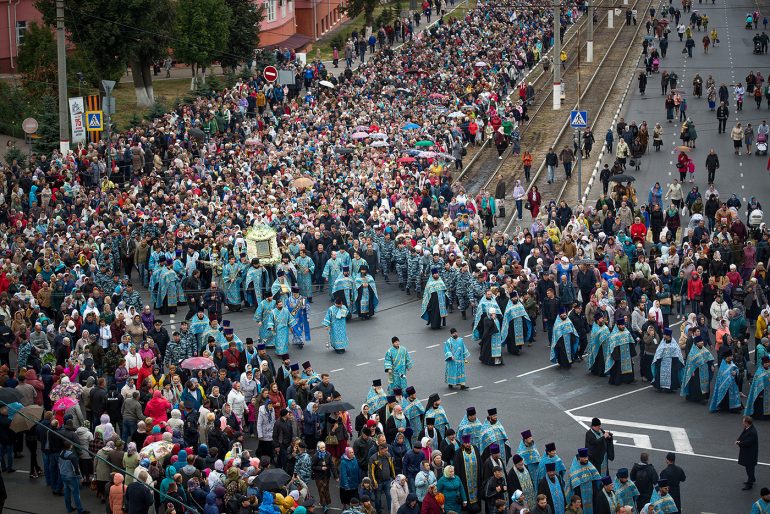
(471, 426)
(255, 283)
(492, 432)
(414, 411)
(726, 395)
(455, 355)
(626, 491)
(564, 341)
(299, 308)
(698, 370)
(331, 271)
(155, 278)
(281, 288)
(231, 283)
(762, 506)
(551, 484)
(550, 457)
(279, 323)
(198, 325)
(667, 364)
(619, 365)
(468, 466)
(376, 398)
(516, 327)
(344, 287)
(305, 269)
(758, 401)
(397, 363)
(491, 353)
(581, 480)
(335, 322)
(520, 478)
(169, 290)
(435, 411)
(262, 315)
(365, 294)
(229, 337)
(434, 301)
(598, 344)
(662, 502)
(481, 313)
(529, 452)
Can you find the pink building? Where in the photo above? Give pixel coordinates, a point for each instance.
(279, 26)
(316, 17)
(17, 15)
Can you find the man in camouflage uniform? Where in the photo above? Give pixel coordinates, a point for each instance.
(188, 341)
(387, 250)
(464, 289)
(479, 288)
(132, 297)
(174, 350)
(449, 275)
(414, 270)
(426, 265)
(401, 257)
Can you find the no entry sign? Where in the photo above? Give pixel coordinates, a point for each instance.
(270, 73)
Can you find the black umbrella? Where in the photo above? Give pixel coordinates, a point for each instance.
(272, 478)
(197, 134)
(328, 408)
(9, 395)
(590, 262)
(343, 150)
(622, 178)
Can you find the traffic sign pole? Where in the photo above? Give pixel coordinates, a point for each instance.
(270, 73)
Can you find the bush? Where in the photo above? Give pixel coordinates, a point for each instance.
(15, 154)
(158, 109)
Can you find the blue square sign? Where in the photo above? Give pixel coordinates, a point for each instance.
(578, 119)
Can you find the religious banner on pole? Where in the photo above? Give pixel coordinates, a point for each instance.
(77, 111)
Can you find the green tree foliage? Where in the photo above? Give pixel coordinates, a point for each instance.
(355, 8)
(116, 34)
(243, 37)
(48, 121)
(202, 32)
(38, 50)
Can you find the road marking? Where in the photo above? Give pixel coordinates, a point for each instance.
(449, 394)
(362, 363)
(535, 371)
(640, 440)
(477, 387)
(413, 351)
(337, 370)
(608, 399)
(678, 434)
(431, 346)
(381, 359)
(705, 456)
(501, 381)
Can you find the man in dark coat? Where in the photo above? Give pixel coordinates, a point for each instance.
(674, 475)
(604, 497)
(644, 476)
(470, 454)
(748, 453)
(600, 446)
(138, 496)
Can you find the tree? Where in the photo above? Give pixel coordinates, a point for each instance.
(117, 34)
(48, 121)
(356, 7)
(201, 35)
(245, 19)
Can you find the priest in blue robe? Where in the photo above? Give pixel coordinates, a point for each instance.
(516, 327)
(581, 480)
(620, 365)
(667, 364)
(335, 322)
(598, 344)
(726, 395)
(564, 341)
(366, 298)
(455, 357)
(698, 371)
(758, 401)
(434, 301)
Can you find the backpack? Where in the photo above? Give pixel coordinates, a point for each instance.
(191, 426)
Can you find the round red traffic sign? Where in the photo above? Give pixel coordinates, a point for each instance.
(29, 125)
(270, 73)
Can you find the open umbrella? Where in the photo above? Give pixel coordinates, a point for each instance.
(405, 160)
(65, 403)
(254, 142)
(404, 90)
(436, 96)
(445, 156)
(359, 135)
(326, 83)
(426, 155)
(342, 150)
(361, 128)
(622, 178)
(410, 126)
(414, 152)
(379, 144)
(330, 407)
(590, 262)
(378, 135)
(156, 451)
(25, 418)
(302, 182)
(9, 395)
(197, 134)
(195, 363)
(457, 114)
(424, 142)
(271, 478)
(480, 64)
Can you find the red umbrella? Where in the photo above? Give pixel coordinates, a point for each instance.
(65, 403)
(194, 363)
(406, 159)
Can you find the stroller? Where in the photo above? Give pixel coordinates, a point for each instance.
(761, 144)
(757, 47)
(756, 226)
(655, 65)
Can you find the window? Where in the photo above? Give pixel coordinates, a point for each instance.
(291, 5)
(283, 8)
(270, 10)
(21, 28)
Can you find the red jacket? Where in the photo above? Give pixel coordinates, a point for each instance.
(430, 505)
(157, 408)
(638, 232)
(694, 288)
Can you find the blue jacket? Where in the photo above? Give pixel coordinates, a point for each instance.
(350, 473)
(410, 466)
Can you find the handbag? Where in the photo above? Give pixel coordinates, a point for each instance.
(666, 301)
(527, 206)
(331, 440)
(677, 298)
(133, 371)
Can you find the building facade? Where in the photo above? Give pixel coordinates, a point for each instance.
(17, 15)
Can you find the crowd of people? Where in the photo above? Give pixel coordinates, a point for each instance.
(346, 185)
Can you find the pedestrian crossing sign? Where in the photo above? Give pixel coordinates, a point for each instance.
(94, 121)
(578, 119)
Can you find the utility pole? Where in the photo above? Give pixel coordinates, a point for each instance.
(556, 56)
(590, 38)
(610, 19)
(61, 57)
(108, 86)
(579, 145)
